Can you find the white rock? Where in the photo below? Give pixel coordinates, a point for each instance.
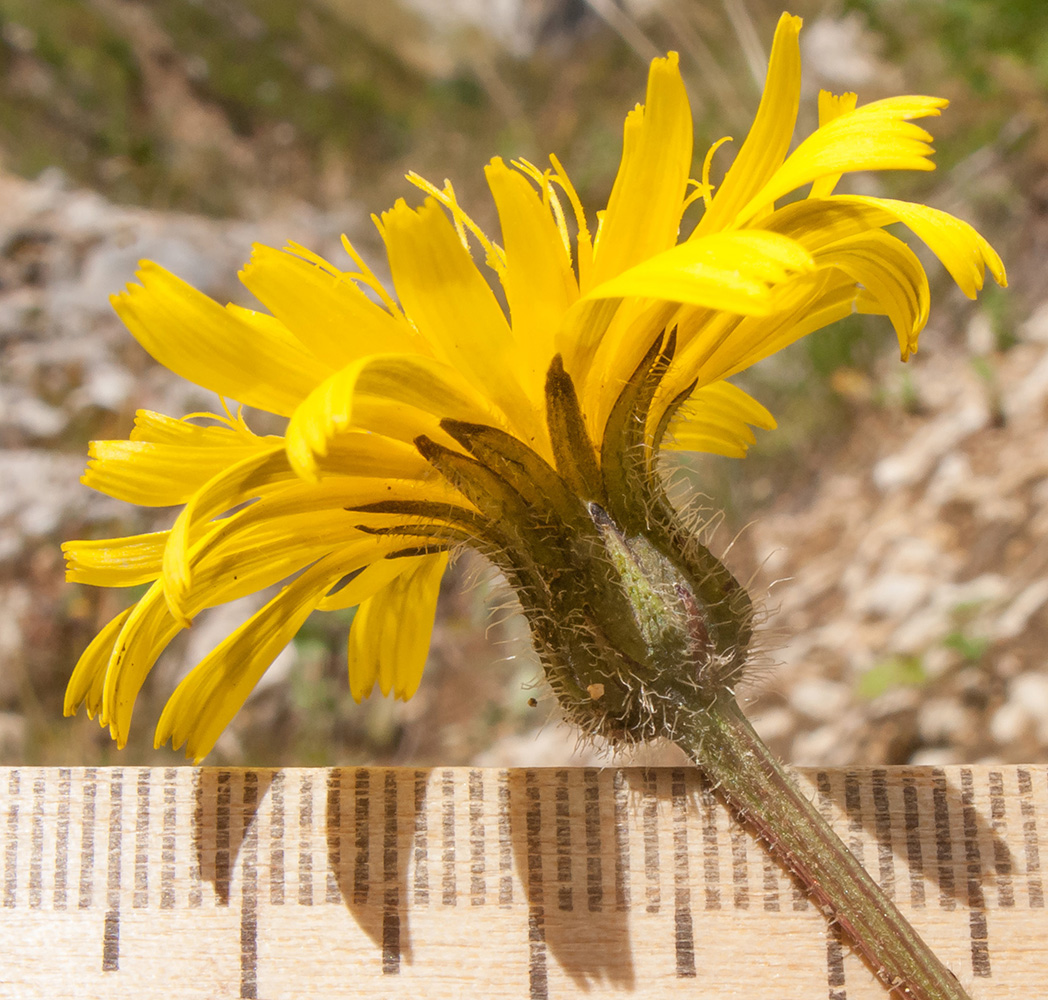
(1009, 723)
(894, 594)
(935, 757)
(774, 723)
(12, 736)
(1030, 690)
(819, 699)
(1014, 619)
(35, 418)
(839, 51)
(1035, 327)
(925, 448)
(951, 480)
(939, 719)
(1030, 393)
(824, 745)
(980, 334)
(105, 386)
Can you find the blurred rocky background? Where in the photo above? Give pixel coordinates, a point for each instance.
(895, 526)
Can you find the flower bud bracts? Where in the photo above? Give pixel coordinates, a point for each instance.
(634, 619)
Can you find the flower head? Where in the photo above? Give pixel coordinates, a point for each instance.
(428, 416)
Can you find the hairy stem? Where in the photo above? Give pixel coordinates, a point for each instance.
(756, 785)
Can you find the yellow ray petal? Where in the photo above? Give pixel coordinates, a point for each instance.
(145, 634)
(769, 138)
(424, 390)
(453, 307)
(244, 481)
(244, 562)
(717, 419)
(270, 540)
(582, 332)
(728, 401)
(963, 252)
(122, 666)
(372, 455)
(285, 531)
(893, 278)
(233, 352)
(728, 345)
(631, 332)
(643, 213)
(877, 136)
(167, 472)
(761, 338)
(221, 431)
(368, 582)
(116, 562)
(213, 692)
(830, 106)
(88, 678)
(324, 308)
(818, 222)
(538, 279)
(389, 638)
(734, 271)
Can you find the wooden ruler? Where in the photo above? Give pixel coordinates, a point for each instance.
(534, 884)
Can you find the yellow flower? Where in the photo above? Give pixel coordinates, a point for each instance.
(429, 417)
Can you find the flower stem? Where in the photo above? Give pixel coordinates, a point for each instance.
(755, 784)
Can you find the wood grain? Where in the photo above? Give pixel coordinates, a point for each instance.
(453, 882)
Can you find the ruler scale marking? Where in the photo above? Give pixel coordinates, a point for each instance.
(168, 839)
(11, 842)
(740, 837)
(538, 983)
(853, 807)
(914, 851)
(835, 977)
(771, 883)
(305, 845)
(1031, 846)
(943, 841)
(87, 841)
(562, 839)
(522, 844)
(196, 847)
(505, 839)
(249, 892)
(362, 837)
(111, 926)
(594, 865)
(477, 846)
(219, 857)
(141, 897)
(333, 829)
(276, 840)
(980, 946)
(1002, 861)
(391, 880)
(448, 882)
(622, 843)
(710, 854)
(684, 929)
(836, 980)
(421, 839)
(652, 886)
(65, 788)
(882, 820)
(36, 843)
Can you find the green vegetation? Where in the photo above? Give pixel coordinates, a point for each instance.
(895, 672)
(972, 35)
